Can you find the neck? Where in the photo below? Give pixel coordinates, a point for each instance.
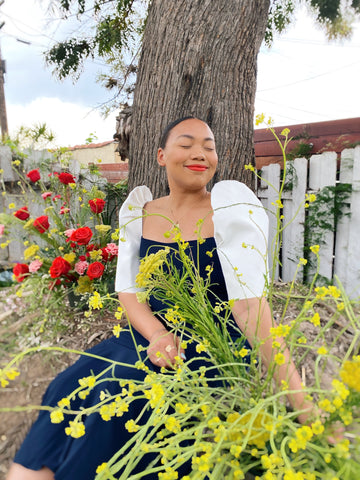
(185, 199)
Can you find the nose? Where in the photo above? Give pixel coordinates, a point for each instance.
(198, 153)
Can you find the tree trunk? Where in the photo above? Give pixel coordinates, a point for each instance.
(199, 57)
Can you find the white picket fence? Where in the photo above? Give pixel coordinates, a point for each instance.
(340, 249)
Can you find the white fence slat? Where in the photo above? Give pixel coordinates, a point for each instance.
(353, 264)
(293, 244)
(270, 185)
(323, 174)
(344, 222)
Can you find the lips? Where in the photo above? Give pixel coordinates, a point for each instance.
(197, 168)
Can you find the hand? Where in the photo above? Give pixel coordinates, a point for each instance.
(163, 348)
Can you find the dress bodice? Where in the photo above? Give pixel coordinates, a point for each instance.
(204, 255)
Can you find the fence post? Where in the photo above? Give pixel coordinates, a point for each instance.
(294, 218)
(323, 174)
(268, 194)
(347, 262)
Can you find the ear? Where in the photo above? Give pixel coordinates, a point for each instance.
(161, 157)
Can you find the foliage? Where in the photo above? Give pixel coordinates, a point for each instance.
(326, 211)
(117, 26)
(71, 248)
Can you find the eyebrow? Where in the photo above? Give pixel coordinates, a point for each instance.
(193, 138)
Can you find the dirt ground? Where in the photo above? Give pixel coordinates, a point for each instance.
(80, 333)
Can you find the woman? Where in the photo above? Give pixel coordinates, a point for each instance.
(187, 151)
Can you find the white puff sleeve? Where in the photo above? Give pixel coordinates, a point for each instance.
(241, 235)
(130, 231)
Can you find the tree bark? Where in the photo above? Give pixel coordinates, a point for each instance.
(199, 57)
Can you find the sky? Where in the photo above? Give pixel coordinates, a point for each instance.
(303, 78)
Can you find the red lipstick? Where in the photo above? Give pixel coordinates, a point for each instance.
(197, 168)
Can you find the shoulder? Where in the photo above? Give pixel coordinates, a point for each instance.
(158, 205)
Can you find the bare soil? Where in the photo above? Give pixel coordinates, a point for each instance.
(19, 328)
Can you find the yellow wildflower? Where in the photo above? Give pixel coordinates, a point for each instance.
(182, 408)
(70, 257)
(350, 373)
(250, 167)
(169, 474)
(236, 450)
(56, 416)
(243, 352)
(96, 254)
(101, 467)
(75, 429)
(150, 265)
(317, 427)
(340, 306)
(172, 424)
(302, 261)
(31, 251)
(155, 395)
(87, 381)
(84, 285)
(315, 320)
(322, 350)
(131, 426)
(116, 330)
(279, 358)
(95, 301)
(102, 228)
(315, 248)
(11, 206)
(64, 402)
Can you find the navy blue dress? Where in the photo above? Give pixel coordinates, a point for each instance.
(47, 444)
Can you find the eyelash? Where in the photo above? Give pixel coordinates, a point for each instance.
(206, 148)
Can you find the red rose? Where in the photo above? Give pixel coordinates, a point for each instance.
(59, 267)
(20, 271)
(66, 178)
(97, 205)
(81, 236)
(22, 213)
(95, 270)
(33, 175)
(41, 223)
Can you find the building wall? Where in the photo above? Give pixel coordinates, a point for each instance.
(92, 153)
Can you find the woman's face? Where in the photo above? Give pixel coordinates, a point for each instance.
(189, 155)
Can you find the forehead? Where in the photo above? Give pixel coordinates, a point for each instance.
(191, 128)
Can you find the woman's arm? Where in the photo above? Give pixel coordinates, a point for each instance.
(160, 340)
(253, 316)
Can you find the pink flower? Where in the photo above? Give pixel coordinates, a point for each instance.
(2, 230)
(35, 265)
(80, 267)
(112, 248)
(56, 197)
(69, 232)
(45, 195)
(64, 210)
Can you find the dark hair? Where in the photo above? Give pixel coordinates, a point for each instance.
(166, 132)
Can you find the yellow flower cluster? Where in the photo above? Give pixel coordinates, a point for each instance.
(350, 373)
(156, 393)
(149, 265)
(173, 315)
(95, 301)
(261, 426)
(302, 436)
(31, 251)
(169, 474)
(116, 408)
(75, 429)
(6, 375)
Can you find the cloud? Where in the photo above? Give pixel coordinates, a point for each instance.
(70, 122)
